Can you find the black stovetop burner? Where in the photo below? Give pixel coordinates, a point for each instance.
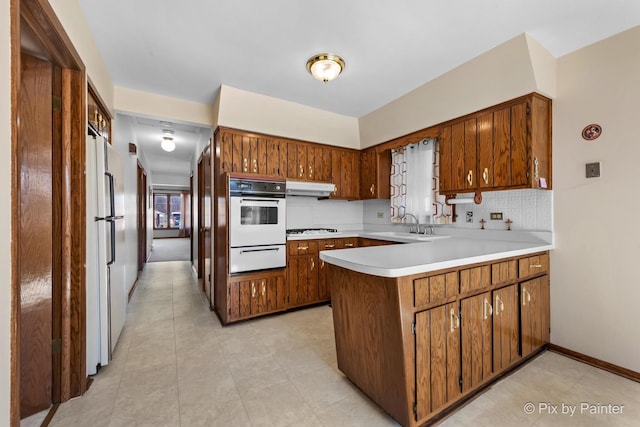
(311, 230)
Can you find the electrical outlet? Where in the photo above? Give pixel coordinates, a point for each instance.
(496, 216)
(380, 214)
(593, 170)
(469, 216)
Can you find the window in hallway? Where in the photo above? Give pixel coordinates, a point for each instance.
(168, 210)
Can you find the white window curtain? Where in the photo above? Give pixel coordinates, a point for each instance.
(412, 181)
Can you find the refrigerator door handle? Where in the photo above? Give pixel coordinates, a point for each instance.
(112, 228)
(112, 207)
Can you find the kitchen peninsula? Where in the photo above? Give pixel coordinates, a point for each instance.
(421, 326)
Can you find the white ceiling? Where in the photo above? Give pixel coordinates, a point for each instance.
(187, 49)
(147, 133)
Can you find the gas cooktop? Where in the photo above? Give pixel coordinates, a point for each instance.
(311, 231)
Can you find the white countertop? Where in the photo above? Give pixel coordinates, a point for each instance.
(421, 257)
(391, 236)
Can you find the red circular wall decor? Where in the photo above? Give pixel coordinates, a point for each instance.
(591, 132)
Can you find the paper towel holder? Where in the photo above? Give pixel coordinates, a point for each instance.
(450, 199)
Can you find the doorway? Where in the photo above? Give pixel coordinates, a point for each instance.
(48, 214)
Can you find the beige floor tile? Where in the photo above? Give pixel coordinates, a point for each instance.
(176, 365)
(277, 405)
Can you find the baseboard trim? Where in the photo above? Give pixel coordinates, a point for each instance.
(133, 289)
(50, 414)
(610, 367)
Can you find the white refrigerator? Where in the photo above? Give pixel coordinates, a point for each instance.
(105, 283)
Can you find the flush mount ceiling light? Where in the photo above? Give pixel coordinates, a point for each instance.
(325, 66)
(167, 144)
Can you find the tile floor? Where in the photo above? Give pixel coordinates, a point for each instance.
(176, 366)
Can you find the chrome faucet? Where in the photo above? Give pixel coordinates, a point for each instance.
(411, 229)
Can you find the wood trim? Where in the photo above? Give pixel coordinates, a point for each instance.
(133, 289)
(96, 96)
(41, 18)
(52, 412)
(14, 404)
(598, 363)
(41, 22)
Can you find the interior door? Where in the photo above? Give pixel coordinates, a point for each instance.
(200, 266)
(35, 235)
(206, 240)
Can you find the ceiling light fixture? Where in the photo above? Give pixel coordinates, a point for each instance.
(325, 66)
(167, 144)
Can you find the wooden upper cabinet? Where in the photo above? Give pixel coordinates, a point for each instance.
(508, 146)
(97, 115)
(249, 153)
(458, 157)
(345, 173)
(375, 169)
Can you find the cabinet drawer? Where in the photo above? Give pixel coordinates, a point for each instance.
(475, 278)
(533, 265)
(346, 243)
(302, 247)
(435, 289)
(504, 272)
(327, 244)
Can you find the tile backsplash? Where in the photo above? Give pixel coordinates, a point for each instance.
(530, 210)
(309, 212)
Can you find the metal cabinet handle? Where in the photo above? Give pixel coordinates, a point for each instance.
(313, 264)
(301, 171)
(264, 288)
(329, 246)
(535, 266)
(245, 166)
(348, 245)
(470, 177)
(372, 188)
(321, 264)
(253, 290)
(255, 166)
(499, 305)
(485, 175)
(310, 170)
(303, 248)
(528, 295)
(489, 312)
(454, 321)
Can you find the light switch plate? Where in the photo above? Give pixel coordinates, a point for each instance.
(496, 215)
(593, 170)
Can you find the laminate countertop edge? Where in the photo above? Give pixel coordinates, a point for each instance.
(424, 257)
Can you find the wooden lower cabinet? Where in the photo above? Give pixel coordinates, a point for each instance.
(506, 329)
(254, 295)
(437, 358)
(417, 344)
(476, 329)
(534, 312)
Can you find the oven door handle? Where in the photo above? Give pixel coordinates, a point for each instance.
(259, 250)
(276, 201)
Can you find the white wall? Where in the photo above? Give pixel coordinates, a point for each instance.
(5, 214)
(594, 276)
(250, 111)
(151, 105)
(498, 75)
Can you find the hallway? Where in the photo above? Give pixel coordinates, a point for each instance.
(176, 365)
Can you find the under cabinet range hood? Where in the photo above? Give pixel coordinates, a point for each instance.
(310, 189)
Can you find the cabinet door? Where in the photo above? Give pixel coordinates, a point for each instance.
(437, 358)
(446, 165)
(476, 329)
(368, 173)
(336, 173)
(273, 158)
(475, 278)
(458, 170)
(313, 294)
(245, 298)
(323, 286)
(298, 269)
(349, 175)
(505, 327)
(226, 152)
(291, 155)
(276, 294)
(470, 155)
(485, 150)
(534, 306)
(502, 147)
(519, 153)
(301, 161)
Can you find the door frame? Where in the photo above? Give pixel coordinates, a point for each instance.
(200, 266)
(40, 21)
(142, 215)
